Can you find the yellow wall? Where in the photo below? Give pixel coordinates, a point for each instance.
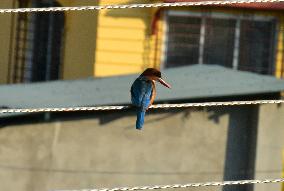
(112, 42)
(5, 33)
(80, 41)
(124, 43)
(280, 50)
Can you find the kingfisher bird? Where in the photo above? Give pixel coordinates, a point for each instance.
(143, 92)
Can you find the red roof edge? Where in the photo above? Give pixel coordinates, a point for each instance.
(260, 6)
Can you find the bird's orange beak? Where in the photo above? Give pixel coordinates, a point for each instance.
(164, 83)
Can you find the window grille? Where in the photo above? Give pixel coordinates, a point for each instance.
(242, 42)
(38, 46)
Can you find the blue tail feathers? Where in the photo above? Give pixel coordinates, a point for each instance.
(140, 118)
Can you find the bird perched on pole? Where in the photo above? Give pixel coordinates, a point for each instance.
(143, 92)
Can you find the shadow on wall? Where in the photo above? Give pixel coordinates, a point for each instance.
(241, 146)
(241, 143)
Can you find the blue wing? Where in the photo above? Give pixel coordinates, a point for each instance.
(141, 91)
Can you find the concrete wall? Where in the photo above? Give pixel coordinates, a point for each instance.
(104, 149)
(270, 146)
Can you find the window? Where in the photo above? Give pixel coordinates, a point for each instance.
(257, 45)
(38, 46)
(238, 42)
(219, 41)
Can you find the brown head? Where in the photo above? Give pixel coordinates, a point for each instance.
(154, 74)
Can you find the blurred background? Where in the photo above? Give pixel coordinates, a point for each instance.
(89, 58)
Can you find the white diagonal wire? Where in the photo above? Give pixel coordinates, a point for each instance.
(178, 105)
(131, 6)
(174, 186)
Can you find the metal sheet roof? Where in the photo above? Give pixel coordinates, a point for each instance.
(198, 81)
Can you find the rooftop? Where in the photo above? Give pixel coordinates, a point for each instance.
(191, 82)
